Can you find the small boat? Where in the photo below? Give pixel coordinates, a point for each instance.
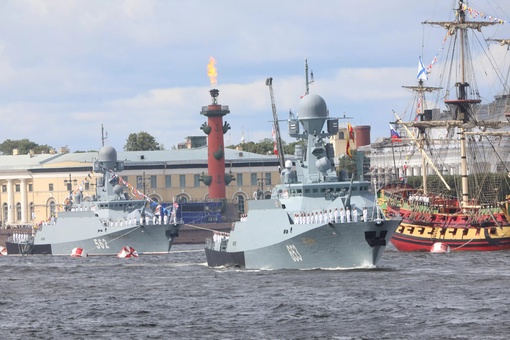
(461, 204)
(311, 220)
(104, 224)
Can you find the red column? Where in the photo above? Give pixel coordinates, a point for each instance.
(215, 129)
(216, 155)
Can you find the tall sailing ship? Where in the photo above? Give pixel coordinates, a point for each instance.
(462, 204)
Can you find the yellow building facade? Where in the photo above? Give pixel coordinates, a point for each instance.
(33, 188)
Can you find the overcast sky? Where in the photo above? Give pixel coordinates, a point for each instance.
(68, 66)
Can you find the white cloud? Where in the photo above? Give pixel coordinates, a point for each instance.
(66, 67)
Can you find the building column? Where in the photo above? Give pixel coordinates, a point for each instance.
(24, 201)
(10, 204)
(417, 170)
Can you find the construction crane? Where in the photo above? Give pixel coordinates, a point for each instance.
(276, 126)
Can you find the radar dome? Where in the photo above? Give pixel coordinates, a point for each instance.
(117, 189)
(107, 154)
(312, 106)
(323, 164)
(288, 164)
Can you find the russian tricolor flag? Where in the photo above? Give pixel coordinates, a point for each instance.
(394, 134)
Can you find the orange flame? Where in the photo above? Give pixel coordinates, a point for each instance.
(211, 71)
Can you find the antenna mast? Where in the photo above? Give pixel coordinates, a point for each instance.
(104, 135)
(307, 88)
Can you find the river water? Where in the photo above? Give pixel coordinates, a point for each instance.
(176, 296)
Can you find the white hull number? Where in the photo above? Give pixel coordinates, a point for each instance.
(293, 252)
(101, 243)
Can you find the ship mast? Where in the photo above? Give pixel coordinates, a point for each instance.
(462, 106)
(421, 89)
(104, 135)
(307, 82)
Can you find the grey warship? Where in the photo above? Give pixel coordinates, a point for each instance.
(297, 228)
(103, 225)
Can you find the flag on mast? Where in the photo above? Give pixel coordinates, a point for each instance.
(422, 72)
(395, 136)
(275, 148)
(351, 131)
(348, 149)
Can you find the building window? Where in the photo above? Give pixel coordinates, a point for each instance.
(139, 182)
(253, 177)
(50, 187)
(32, 210)
(341, 135)
(268, 178)
(4, 188)
(30, 187)
(196, 181)
(87, 185)
(239, 180)
(182, 181)
(17, 186)
(51, 208)
(18, 211)
(240, 203)
(168, 181)
(154, 182)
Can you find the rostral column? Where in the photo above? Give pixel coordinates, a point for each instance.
(216, 179)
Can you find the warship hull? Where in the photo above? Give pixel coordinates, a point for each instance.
(150, 239)
(314, 218)
(333, 245)
(105, 223)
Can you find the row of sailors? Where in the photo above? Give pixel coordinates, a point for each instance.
(330, 216)
(129, 221)
(146, 221)
(219, 236)
(84, 208)
(420, 199)
(20, 237)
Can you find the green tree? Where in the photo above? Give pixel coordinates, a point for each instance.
(142, 141)
(266, 147)
(24, 146)
(347, 163)
(291, 147)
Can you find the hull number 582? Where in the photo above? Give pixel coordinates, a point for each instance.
(101, 243)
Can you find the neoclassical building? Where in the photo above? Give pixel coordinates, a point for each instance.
(485, 154)
(392, 161)
(34, 187)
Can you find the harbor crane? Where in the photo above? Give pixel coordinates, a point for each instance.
(276, 126)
